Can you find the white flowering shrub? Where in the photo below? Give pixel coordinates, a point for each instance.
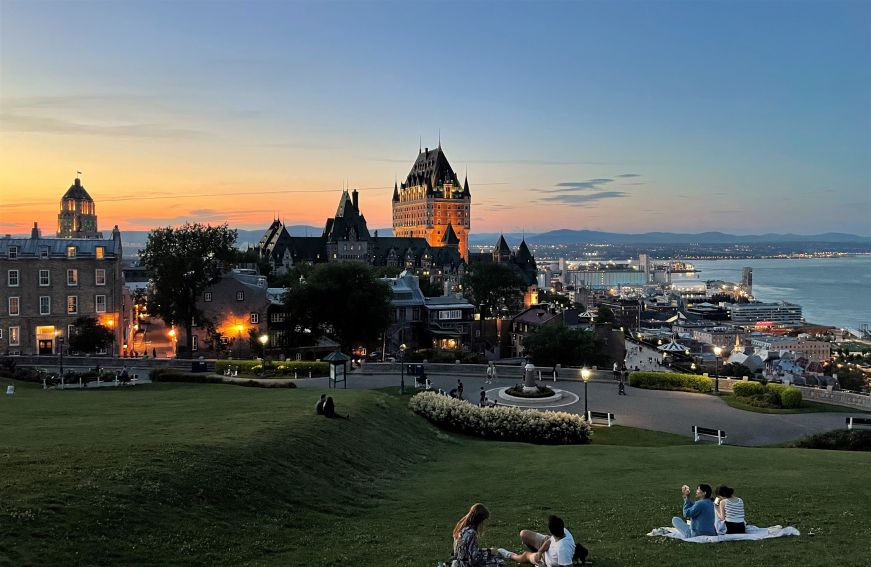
(504, 423)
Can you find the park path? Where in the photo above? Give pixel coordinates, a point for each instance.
(658, 410)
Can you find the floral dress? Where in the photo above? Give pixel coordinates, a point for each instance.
(468, 554)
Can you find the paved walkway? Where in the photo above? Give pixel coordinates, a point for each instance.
(643, 357)
(658, 410)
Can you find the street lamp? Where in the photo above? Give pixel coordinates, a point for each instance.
(60, 350)
(717, 352)
(172, 337)
(263, 340)
(585, 375)
(402, 369)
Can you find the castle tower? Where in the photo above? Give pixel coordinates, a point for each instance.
(78, 215)
(431, 202)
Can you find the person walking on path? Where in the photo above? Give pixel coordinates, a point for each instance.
(489, 374)
(621, 387)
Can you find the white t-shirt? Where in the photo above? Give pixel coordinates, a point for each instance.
(560, 552)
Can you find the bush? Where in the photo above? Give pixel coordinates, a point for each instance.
(747, 389)
(171, 375)
(839, 440)
(670, 381)
(276, 368)
(776, 389)
(502, 423)
(790, 397)
(540, 392)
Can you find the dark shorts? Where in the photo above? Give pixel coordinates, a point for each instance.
(735, 528)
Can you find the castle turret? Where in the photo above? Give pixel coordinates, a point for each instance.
(78, 214)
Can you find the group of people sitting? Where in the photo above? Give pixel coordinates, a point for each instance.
(723, 514)
(555, 550)
(327, 407)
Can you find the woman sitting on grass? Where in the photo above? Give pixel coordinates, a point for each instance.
(730, 511)
(467, 553)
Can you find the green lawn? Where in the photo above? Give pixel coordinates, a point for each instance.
(806, 407)
(216, 474)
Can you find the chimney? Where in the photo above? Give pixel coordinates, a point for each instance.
(34, 232)
(355, 200)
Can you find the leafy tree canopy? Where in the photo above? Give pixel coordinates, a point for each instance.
(605, 315)
(493, 287)
(90, 336)
(342, 300)
(181, 262)
(554, 344)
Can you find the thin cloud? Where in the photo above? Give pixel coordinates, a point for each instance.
(23, 123)
(584, 200)
(628, 175)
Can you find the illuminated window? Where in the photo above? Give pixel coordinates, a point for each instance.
(101, 251)
(71, 251)
(72, 277)
(14, 336)
(195, 342)
(72, 304)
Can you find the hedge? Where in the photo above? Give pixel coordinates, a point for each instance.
(276, 368)
(747, 389)
(170, 375)
(504, 423)
(791, 398)
(837, 440)
(670, 381)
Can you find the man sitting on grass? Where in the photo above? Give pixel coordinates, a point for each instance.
(558, 550)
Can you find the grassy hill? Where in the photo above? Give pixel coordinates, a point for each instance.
(213, 474)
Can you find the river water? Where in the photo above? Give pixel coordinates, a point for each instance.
(831, 291)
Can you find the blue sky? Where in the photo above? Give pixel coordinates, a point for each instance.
(746, 117)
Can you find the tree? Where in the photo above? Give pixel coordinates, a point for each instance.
(554, 344)
(342, 300)
(850, 379)
(736, 369)
(181, 262)
(90, 336)
(605, 315)
(493, 287)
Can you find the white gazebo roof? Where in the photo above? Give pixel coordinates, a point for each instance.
(672, 346)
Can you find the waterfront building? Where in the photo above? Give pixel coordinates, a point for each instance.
(431, 203)
(781, 313)
(48, 283)
(605, 276)
(802, 345)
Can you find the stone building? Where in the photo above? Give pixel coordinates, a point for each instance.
(430, 203)
(47, 283)
(78, 214)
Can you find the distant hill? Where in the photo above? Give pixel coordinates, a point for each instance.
(567, 236)
(135, 239)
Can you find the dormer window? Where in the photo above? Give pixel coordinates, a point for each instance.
(101, 252)
(71, 251)
(43, 252)
(13, 252)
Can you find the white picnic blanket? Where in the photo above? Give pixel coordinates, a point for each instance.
(753, 533)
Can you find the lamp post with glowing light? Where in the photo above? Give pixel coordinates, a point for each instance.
(585, 376)
(717, 352)
(263, 340)
(402, 369)
(172, 337)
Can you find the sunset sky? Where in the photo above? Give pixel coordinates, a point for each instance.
(745, 117)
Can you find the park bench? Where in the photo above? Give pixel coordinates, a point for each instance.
(420, 381)
(858, 422)
(607, 416)
(699, 432)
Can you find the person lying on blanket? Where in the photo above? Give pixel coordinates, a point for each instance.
(700, 513)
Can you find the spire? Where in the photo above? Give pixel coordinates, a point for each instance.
(395, 190)
(466, 192)
(450, 237)
(440, 138)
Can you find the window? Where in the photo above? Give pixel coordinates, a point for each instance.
(240, 296)
(12, 278)
(72, 304)
(15, 306)
(225, 340)
(255, 318)
(101, 252)
(13, 252)
(100, 304)
(1, 333)
(44, 305)
(100, 277)
(277, 317)
(43, 252)
(207, 296)
(44, 278)
(71, 251)
(72, 277)
(195, 342)
(14, 336)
